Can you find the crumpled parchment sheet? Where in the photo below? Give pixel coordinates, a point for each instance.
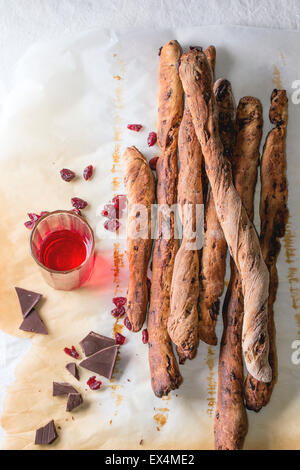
(69, 107)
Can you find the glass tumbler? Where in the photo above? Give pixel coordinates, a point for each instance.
(77, 227)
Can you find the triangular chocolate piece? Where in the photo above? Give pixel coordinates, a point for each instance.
(27, 299)
(73, 369)
(102, 362)
(46, 435)
(94, 342)
(33, 323)
(62, 388)
(74, 400)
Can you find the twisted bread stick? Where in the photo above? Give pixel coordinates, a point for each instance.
(165, 375)
(140, 189)
(215, 246)
(231, 419)
(184, 316)
(273, 215)
(239, 232)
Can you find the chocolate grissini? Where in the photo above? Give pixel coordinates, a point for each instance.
(231, 423)
(183, 322)
(140, 191)
(214, 250)
(165, 374)
(240, 234)
(273, 219)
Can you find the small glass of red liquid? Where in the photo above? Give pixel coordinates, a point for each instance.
(62, 244)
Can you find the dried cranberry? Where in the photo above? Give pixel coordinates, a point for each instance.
(153, 162)
(112, 225)
(119, 301)
(29, 224)
(67, 175)
(134, 127)
(78, 203)
(120, 339)
(72, 352)
(127, 323)
(118, 312)
(76, 211)
(88, 172)
(119, 202)
(93, 383)
(152, 139)
(109, 211)
(145, 336)
(33, 217)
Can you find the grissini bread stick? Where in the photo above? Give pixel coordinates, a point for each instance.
(210, 53)
(183, 322)
(231, 419)
(140, 190)
(239, 231)
(273, 216)
(215, 247)
(165, 375)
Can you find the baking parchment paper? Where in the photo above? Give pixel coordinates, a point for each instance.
(69, 106)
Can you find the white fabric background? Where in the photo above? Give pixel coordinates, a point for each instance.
(24, 22)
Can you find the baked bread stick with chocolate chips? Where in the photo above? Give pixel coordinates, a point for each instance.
(231, 419)
(273, 216)
(215, 246)
(210, 53)
(183, 321)
(165, 375)
(240, 234)
(140, 189)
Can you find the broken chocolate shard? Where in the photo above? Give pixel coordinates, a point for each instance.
(73, 369)
(94, 342)
(27, 299)
(102, 362)
(33, 323)
(74, 400)
(46, 435)
(62, 388)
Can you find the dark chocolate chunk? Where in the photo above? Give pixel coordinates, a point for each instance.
(46, 435)
(62, 388)
(27, 300)
(102, 362)
(33, 323)
(74, 400)
(73, 369)
(94, 342)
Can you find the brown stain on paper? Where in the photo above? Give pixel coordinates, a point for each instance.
(211, 382)
(118, 264)
(118, 256)
(282, 57)
(276, 78)
(161, 417)
(117, 328)
(293, 277)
